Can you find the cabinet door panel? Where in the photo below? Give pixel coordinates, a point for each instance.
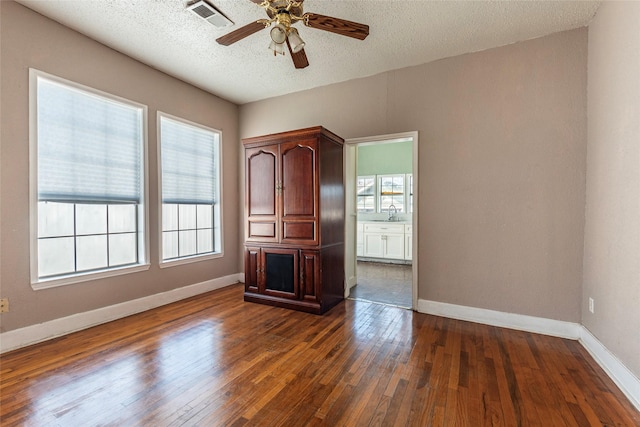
(373, 245)
(309, 275)
(394, 246)
(261, 181)
(261, 229)
(305, 231)
(281, 272)
(251, 269)
(408, 246)
(299, 178)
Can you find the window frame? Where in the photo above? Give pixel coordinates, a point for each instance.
(374, 194)
(38, 283)
(218, 241)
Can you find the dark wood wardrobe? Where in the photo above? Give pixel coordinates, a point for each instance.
(294, 230)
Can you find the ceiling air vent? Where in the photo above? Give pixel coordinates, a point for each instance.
(210, 14)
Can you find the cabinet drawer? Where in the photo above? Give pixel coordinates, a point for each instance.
(384, 228)
(408, 228)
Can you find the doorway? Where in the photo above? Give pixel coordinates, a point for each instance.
(382, 227)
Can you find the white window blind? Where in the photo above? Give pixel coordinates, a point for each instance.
(89, 147)
(189, 159)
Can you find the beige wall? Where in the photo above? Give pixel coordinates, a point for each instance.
(501, 163)
(612, 230)
(30, 40)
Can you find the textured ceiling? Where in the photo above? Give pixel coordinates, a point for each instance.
(166, 36)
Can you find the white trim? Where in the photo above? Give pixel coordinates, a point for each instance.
(190, 259)
(539, 325)
(33, 334)
(402, 137)
(626, 381)
(85, 277)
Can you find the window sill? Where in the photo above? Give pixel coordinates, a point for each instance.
(189, 260)
(85, 277)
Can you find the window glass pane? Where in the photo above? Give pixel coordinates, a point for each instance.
(186, 216)
(55, 219)
(91, 252)
(205, 241)
(366, 185)
(187, 242)
(366, 203)
(55, 256)
(205, 216)
(169, 216)
(122, 218)
(386, 185)
(169, 245)
(91, 219)
(122, 249)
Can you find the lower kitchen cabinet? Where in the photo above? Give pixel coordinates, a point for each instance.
(408, 242)
(384, 241)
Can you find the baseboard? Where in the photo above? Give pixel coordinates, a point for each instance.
(521, 322)
(32, 334)
(628, 383)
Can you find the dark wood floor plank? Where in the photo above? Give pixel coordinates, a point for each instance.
(217, 360)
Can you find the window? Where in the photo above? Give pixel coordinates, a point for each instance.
(190, 182)
(88, 173)
(392, 192)
(366, 190)
(376, 193)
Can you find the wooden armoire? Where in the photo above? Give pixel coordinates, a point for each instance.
(294, 230)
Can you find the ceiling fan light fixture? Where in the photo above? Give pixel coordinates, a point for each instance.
(296, 42)
(276, 48)
(278, 34)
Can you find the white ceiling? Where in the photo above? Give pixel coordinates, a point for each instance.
(166, 36)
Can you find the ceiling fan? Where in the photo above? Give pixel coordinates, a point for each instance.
(285, 13)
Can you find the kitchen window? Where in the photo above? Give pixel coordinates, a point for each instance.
(376, 193)
(366, 194)
(391, 192)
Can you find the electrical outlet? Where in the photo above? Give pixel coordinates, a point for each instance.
(591, 305)
(4, 305)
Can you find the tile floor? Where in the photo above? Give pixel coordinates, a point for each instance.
(384, 283)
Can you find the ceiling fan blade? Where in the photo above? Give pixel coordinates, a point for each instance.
(240, 33)
(299, 59)
(338, 26)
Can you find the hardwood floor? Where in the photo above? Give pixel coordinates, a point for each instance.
(217, 360)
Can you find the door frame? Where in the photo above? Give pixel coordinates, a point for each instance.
(350, 176)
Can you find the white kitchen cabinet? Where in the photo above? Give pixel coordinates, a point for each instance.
(384, 240)
(408, 242)
(373, 245)
(360, 239)
(393, 246)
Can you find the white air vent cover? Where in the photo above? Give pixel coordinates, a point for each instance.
(210, 14)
